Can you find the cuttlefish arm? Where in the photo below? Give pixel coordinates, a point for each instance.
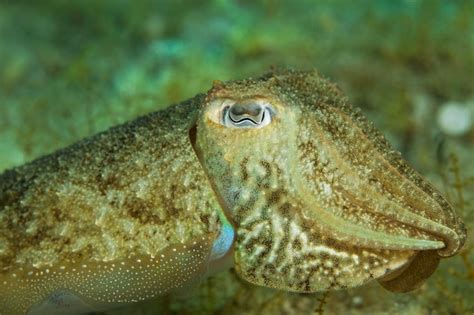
(319, 199)
(121, 217)
(365, 190)
(371, 196)
(279, 172)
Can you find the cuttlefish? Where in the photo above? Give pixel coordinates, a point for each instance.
(277, 177)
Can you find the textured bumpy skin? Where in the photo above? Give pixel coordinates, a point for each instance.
(316, 196)
(120, 217)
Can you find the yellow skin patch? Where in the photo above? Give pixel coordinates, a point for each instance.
(279, 171)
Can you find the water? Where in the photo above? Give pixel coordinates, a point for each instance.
(70, 70)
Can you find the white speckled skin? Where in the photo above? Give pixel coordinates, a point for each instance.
(117, 218)
(318, 197)
(317, 200)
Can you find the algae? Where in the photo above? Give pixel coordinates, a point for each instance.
(71, 69)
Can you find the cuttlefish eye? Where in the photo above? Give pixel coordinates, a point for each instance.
(247, 114)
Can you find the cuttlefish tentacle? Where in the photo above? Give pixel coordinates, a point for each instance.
(396, 161)
(354, 189)
(278, 175)
(318, 198)
(287, 251)
(279, 247)
(379, 178)
(279, 237)
(432, 202)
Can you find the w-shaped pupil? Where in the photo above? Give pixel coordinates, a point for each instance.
(246, 111)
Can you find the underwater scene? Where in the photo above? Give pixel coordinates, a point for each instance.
(72, 69)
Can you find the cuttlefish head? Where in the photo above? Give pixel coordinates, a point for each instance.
(319, 200)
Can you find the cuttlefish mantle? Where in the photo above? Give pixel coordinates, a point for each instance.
(276, 176)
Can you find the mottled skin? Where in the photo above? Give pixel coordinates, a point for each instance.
(318, 199)
(132, 191)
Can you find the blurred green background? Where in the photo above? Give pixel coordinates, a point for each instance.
(69, 69)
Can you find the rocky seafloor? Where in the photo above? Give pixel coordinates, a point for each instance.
(71, 69)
